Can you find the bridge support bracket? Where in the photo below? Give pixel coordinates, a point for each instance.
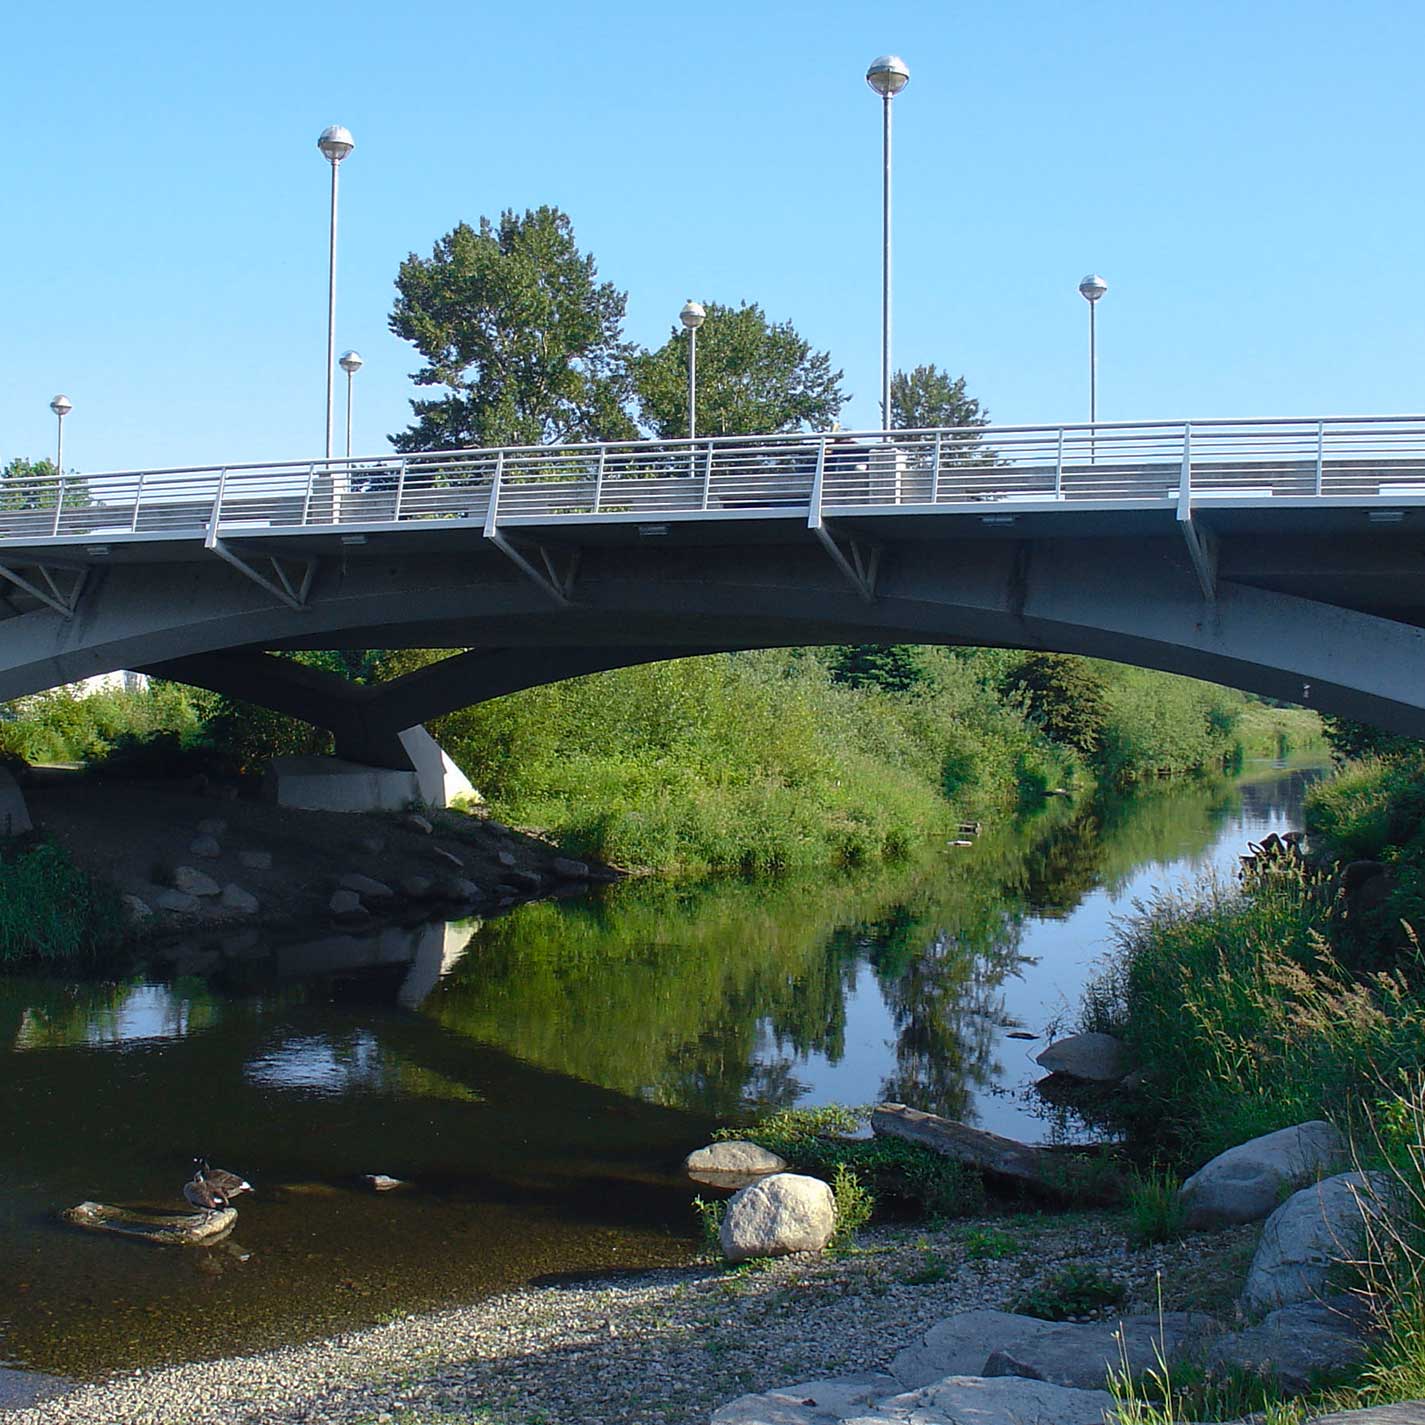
(556, 577)
(53, 594)
(1202, 550)
(286, 588)
(859, 561)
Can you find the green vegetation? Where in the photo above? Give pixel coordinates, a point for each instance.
(1074, 1292)
(50, 910)
(67, 726)
(901, 1177)
(989, 1244)
(1155, 1213)
(855, 1204)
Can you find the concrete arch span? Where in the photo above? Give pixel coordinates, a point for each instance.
(1133, 601)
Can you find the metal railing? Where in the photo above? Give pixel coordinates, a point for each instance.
(1335, 458)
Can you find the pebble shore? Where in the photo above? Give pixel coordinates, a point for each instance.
(666, 1346)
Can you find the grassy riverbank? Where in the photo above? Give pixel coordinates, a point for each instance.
(1299, 994)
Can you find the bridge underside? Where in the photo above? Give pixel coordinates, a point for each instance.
(1334, 619)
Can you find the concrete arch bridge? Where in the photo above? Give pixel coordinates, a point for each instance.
(1286, 557)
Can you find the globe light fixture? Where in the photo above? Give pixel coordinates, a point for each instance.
(887, 76)
(1091, 289)
(351, 363)
(61, 406)
(693, 315)
(335, 144)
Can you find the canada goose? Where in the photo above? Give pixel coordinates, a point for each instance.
(228, 1184)
(203, 1194)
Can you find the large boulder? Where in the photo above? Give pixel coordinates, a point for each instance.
(1092, 1058)
(957, 1400)
(1296, 1345)
(787, 1212)
(1247, 1182)
(1313, 1231)
(1081, 1356)
(1407, 1412)
(734, 1156)
(192, 882)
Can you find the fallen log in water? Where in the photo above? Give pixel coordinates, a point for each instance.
(176, 1229)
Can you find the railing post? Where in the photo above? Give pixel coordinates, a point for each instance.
(58, 504)
(1059, 468)
(400, 490)
(1320, 455)
(935, 472)
(307, 498)
(138, 498)
(1185, 482)
(707, 476)
(814, 505)
(493, 508)
(599, 478)
(215, 518)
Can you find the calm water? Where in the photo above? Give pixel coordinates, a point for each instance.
(537, 1078)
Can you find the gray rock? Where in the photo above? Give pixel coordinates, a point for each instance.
(346, 903)
(960, 1345)
(1009, 1400)
(375, 845)
(1296, 1344)
(1407, 1412)
(1094, 1058)
(255, 860)
(570, 870)
(19, 1389)
(1309, 1234)
(506, 858)
(234, 898)
(180, 902)
(14, 814)
(457, 888)
(734, 1156)
(524, 880)
(367, 888)
(212, 826)
(1247, 1182)
(810, 1402)
(136, 911)
(787, 1212)
(205, 846)
(414, 821)
(380, 1182)
(193, 882)
(1083, 1356)
(417, 888)
(449, 857)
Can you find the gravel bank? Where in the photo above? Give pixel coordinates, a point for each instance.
(666, 1347)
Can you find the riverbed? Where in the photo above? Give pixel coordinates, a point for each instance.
(535, 1079)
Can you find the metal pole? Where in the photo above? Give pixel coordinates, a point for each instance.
(1093, 381)
(349, 375)
(59, 448)
(886, 270)
(692, 383)
(331, 311)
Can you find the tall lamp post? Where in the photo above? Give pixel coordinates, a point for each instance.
(887, 75)
(351, 363)
(693, 315)
(1092, 289)
(61, 406)
(335, 143)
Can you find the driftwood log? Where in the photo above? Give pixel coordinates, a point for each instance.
(1000, 1159)
(187, 1229)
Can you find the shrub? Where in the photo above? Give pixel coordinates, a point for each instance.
(855, 1205)
(1074, 1291)
(51, 910)
(1155, 1212)
(989, 1244)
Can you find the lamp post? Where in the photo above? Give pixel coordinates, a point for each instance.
(692, 316)
(1091, 289)
(61, 406)
(335, 143)
(351, 363)
(887, 75)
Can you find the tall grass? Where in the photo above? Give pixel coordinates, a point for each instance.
(51, 910)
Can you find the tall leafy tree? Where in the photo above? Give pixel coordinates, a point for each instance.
(755, 377)
(928, 397)
(33, 485)
(512, 320)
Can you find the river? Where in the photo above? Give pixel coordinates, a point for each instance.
(537, 1078)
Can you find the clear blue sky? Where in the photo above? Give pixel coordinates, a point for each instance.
(1247, 178)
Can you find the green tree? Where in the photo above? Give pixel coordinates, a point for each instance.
(1066, 696)
(755, 377)
(927, 397)
(892, 667)
(514, 323)
(33, 485)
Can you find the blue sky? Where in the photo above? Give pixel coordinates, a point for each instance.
(1246, 177)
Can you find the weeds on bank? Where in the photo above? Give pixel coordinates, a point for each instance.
(1073, 1292)
(51, 910)
(1155, 1211)
(989, 1244)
